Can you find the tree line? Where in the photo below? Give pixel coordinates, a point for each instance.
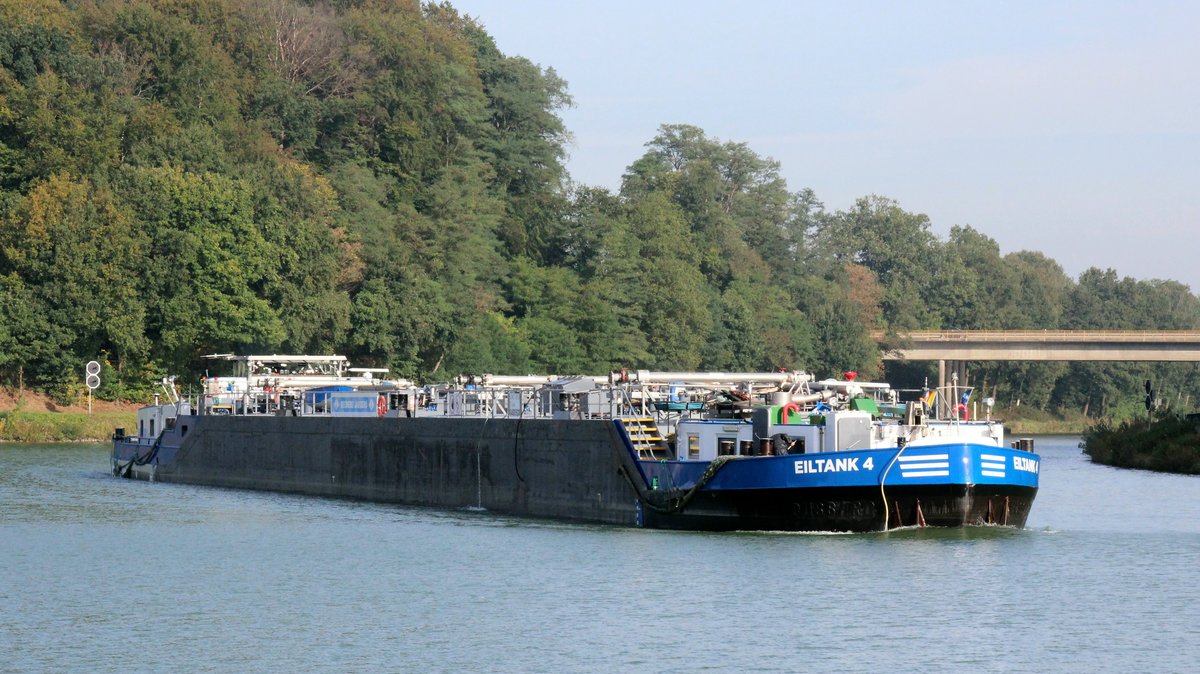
(376, 178)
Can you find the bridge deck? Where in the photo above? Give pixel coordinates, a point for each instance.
(1051, 345)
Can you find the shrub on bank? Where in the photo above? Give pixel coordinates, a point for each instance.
(1169, 444)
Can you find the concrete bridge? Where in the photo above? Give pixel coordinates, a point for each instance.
(957, 346)
(1050, 345)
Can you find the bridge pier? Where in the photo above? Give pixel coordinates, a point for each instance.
(953, 377)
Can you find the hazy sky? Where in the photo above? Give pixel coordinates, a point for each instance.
(1069, 128)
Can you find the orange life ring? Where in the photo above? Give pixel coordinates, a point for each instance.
(783, 413)
(382, 406)
(965, 413)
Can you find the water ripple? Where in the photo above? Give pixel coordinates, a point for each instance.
(108, 575)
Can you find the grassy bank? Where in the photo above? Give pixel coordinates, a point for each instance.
(34, 426)
(1170, 444)
(1026, 420)
(31, 416)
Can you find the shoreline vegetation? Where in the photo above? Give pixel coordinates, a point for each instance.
(1026, 420)
(381, 181)
(1168, 444)
(31, 417)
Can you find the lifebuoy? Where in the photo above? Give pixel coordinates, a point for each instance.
(783, 413)
(382, 406)
(965, 412)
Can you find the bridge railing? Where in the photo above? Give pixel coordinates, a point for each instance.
(1110, 336)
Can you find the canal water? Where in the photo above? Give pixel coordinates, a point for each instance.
(99, 574)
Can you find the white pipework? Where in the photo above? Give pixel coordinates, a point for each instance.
(647, 377)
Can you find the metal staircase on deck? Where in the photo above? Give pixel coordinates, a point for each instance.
(646, 439)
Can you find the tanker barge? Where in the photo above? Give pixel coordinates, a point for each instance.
(673, 450)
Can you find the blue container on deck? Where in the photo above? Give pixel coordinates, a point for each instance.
(317, 399)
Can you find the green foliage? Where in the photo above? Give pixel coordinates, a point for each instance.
(379, 179)
(33, 348)
(653, 263)
(1042, 290)
(492, 344)
(1170, 443)
(841, 341)
(207, 266)
(70, 241)
(167, 58)
(902, 253)
(524, 145)
(35, 37)
(982, 293)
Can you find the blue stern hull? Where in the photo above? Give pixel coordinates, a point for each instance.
(871, 490)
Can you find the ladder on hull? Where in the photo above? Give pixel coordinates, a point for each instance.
(646, 439)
